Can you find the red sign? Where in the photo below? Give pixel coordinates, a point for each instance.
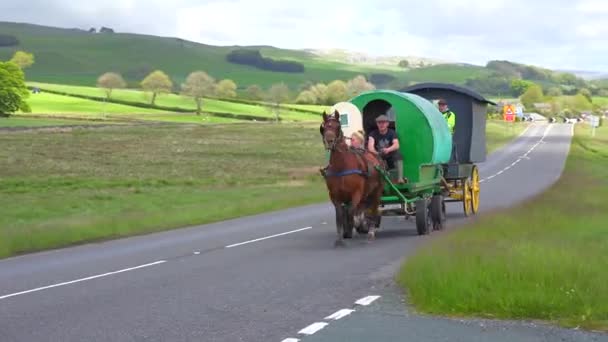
(508, 113)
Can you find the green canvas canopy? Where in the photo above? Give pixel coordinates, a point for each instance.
(424, 136)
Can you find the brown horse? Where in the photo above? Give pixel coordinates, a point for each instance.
(353, 183)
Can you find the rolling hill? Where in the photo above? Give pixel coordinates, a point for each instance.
(78, 57)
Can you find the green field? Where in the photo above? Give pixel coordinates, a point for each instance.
(66, 56)
(20, 121)
(177, 101)
(104, 183)
(89, 184)
(543, 259)
(46, 103)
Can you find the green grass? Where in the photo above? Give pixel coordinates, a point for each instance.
(20, 121)
(602, 101)
(499, 133)
(63, 188)
(67, 56)
(172, 100)
(543, 259)
(46, 103)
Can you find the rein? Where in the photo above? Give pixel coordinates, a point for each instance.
(334, 147)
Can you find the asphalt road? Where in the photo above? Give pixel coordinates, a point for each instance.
(260, 278)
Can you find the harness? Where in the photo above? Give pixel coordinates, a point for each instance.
(358, 153)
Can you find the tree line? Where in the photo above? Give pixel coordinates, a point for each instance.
(555, 103)
(198, 85)
(512, 79)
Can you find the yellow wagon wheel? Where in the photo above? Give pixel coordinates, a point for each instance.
(466, 197)
(475, 189)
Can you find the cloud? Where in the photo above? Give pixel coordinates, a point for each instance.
(557, 34)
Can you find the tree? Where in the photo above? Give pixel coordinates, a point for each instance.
(519, 86)
(336, 92)
(23, 59)
(110, 81)
(404, 63)
(157, 82)
(306, 97)
(320, 92)
(198, 85)
(254, 92)
(226, 89)
(581, 103)
(554, 91)
(533, 95)
(13, 90)
(278, 94)
(586, 93)
(556, 107)
(358, 85)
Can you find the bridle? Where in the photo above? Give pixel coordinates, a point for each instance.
(339, 136)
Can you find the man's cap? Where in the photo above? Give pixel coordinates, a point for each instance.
(442, 102)
(382, 118)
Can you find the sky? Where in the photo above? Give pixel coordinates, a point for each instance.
(558, 34)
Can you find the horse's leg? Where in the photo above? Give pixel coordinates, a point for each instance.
(339, 224)
(375, 198)
(348, 225)
(356, 211)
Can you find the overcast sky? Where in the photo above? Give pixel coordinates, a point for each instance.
(566, 34)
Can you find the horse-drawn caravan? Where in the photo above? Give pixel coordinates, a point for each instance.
(363, 189)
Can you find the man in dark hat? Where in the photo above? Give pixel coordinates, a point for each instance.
(448, 115)
(383, 141)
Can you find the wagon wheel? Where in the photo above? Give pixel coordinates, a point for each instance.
(437, 212)
(475, 189)
(423, 217)
(466, 197)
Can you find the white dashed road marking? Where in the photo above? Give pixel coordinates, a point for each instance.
(365, 301)
(340, 314)
(313, 328)
(267, 237)
(82, 279)
(524, 156)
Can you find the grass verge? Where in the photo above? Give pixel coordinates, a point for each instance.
(500, 132)
(543, 259)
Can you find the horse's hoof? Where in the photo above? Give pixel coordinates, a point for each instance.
(339, 243)
(371, 236)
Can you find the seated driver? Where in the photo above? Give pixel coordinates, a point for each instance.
(383, 141)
